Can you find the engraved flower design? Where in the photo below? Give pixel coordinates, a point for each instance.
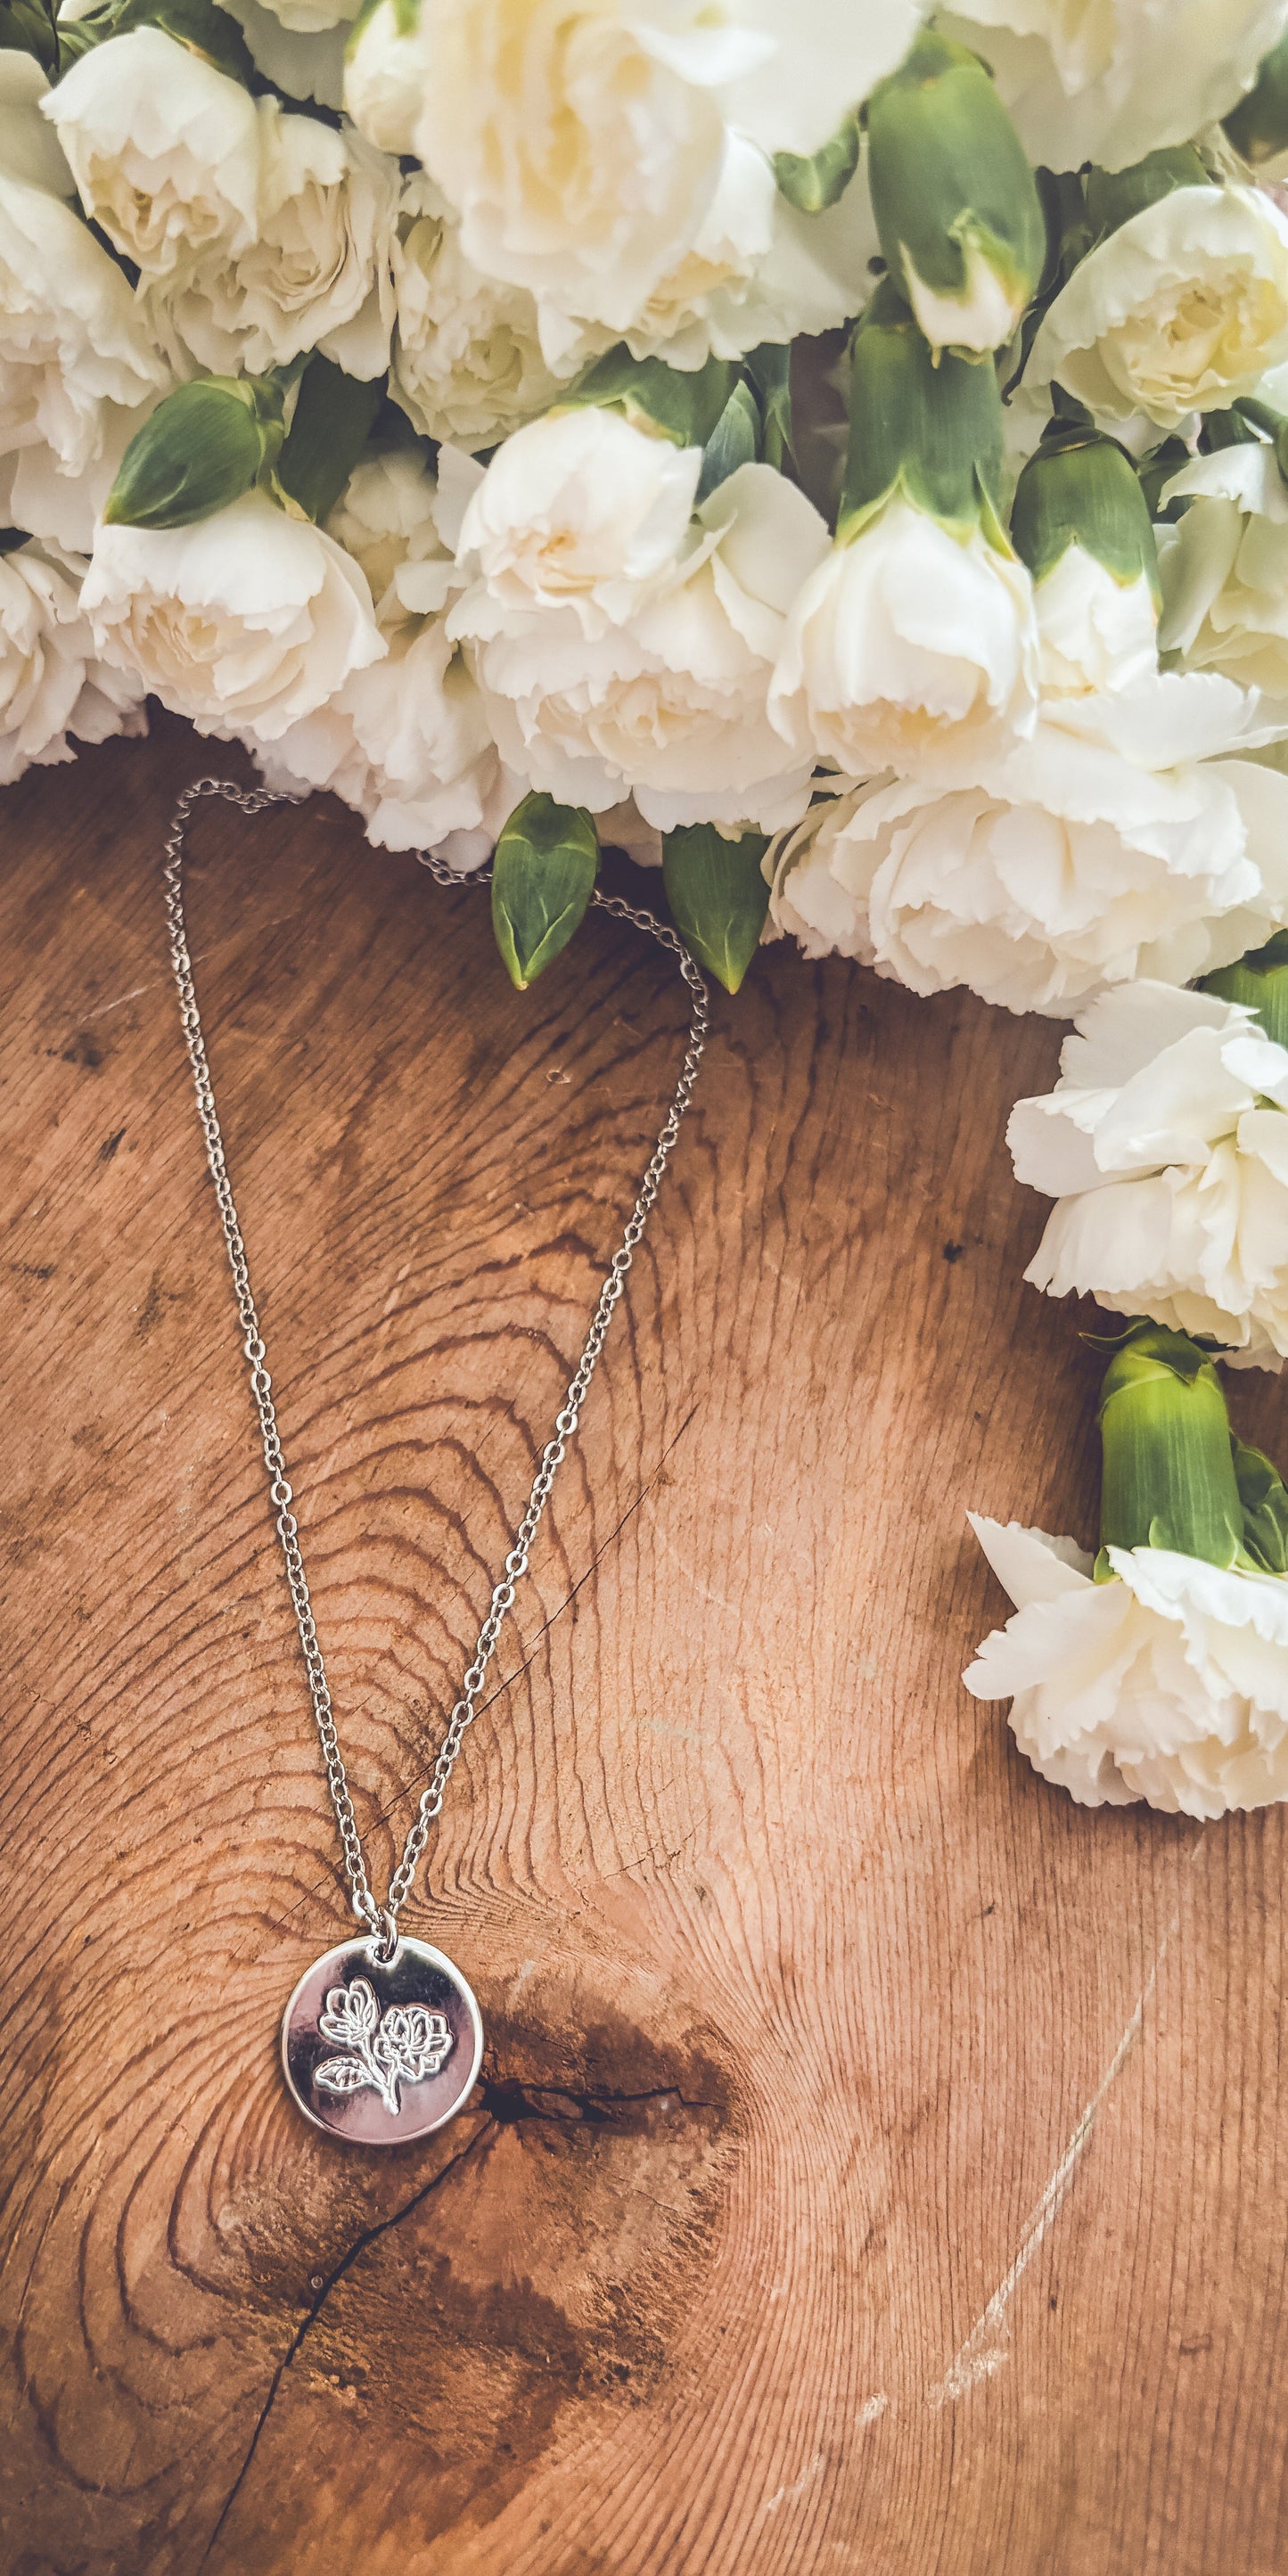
(402, 2044)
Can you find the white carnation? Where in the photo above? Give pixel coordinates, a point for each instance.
(468, 363)
(318, 273)
(71, 340)
(668, 703)
(1074, 869)
(1224, 569)
(1095, 633)
(406, 740)
(1110, 80)
(243, 622)
(803, 67)
(164, 149)
(580, 145)
(312, 17)
(810, 900)
(1165, 1146)
(910, 648)
(1168, 1684)
(1181, 310)
(29, 149)
(48, 669)
(385, 73)
(299, 65)
(579, 511)
(756, 271)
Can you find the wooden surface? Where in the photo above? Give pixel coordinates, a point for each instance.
(880, 2162)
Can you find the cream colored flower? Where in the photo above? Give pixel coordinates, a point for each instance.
(468, 365)
(1165, 1147)
(580, 511)
(313, 17)
(1181, 310)
(318, 273)
(385, 74)
(1169, 1683)
(406, 740)
(667, 702)
(29, 149)
(1224, 569)
(1074, 869)
(71, 340)
(299, 65)
(757, 271)
(1096, 634)
(164, 149)
(810, 899)
(243, 622)
(910, 648)
(48, 670)
(1110, 80)
(580, 144)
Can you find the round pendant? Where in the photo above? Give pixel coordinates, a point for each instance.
(381, 2053)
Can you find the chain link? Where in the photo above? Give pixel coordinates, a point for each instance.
(382, 1920)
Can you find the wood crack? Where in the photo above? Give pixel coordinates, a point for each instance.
(368, 2236)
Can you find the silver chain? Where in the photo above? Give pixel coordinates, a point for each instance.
(383, 1920)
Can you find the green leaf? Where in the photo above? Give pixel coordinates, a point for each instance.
(204, 445)
(543, 877)
(1258, 126)
(929, 427)
(683, 404)
(1169, 1478)
(817, 180)
(333, 418)
(1082, 489)
(1114, 196)
(1260, 982)
(200, 26)
(1265, 1507)
(718, 896)
(734, 441)
(1156, 473)
(770, 370)
(27, 27)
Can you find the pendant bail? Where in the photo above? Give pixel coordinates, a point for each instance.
(384, 1941)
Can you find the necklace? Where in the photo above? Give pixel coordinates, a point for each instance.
(382, 2037)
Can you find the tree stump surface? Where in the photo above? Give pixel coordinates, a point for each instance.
(879, 2160)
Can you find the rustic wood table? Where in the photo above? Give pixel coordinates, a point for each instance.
(880, 2163)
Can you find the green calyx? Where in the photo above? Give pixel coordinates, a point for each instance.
(684, 407)
(953, 194)
(718, 896)
(204, 445)
(543, 877)
(813, 181)
(1082, 489)
(930, 429)
(1260, 982)
(1114, 196)
(1258, 126)
(1169, 1475)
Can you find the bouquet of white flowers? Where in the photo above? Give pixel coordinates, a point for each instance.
(837, 453)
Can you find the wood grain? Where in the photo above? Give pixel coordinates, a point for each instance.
(778, 2238)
